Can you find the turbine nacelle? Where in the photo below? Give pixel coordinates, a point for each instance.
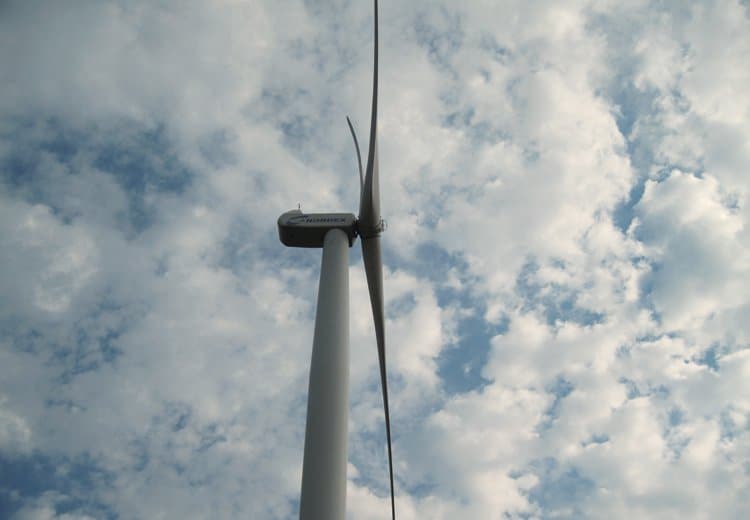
(297, 229)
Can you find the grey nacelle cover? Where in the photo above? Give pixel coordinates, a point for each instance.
(297, 229)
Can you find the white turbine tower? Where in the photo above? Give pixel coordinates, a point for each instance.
(323, 495)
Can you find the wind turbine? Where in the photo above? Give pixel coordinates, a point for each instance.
(323, 495)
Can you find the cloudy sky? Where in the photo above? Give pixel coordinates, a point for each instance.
(567, 261)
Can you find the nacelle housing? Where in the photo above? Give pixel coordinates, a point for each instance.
(297, 229)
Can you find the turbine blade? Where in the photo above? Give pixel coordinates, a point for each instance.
(359, 156)
(369, 228)
(374, 270)
(369, 205)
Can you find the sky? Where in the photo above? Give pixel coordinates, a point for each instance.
(567, 259)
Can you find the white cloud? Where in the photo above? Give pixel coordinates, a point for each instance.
(45, 508)
(15, 434)
(693, 238)
(52, 262)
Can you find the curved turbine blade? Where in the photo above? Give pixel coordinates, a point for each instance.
(359, 156)
(374, 270)
(369, 205)
(370, 226)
